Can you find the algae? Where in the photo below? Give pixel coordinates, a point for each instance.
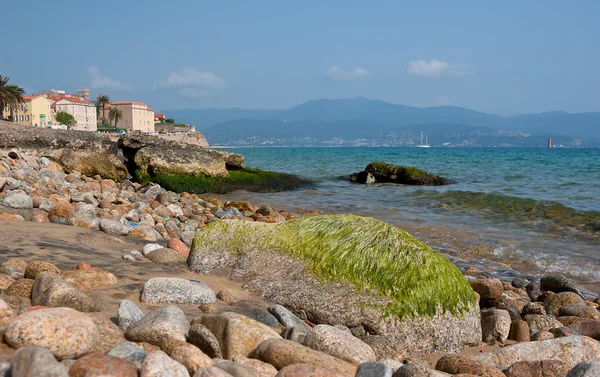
(254, 180)
(367, 253)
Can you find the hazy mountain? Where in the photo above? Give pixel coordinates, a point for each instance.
(323, 121)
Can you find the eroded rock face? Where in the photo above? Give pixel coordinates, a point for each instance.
(153, 155)
(80, 151)
(271, 260)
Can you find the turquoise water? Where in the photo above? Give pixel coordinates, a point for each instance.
(511, 211)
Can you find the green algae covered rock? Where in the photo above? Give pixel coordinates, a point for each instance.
(407, 175)
(350, 270)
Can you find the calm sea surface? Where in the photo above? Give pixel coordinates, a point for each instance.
(510, 211)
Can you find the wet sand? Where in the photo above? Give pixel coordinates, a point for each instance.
(66, 246)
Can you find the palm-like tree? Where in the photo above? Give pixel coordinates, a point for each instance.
(10, 95)
(101, 101)
(115, 114)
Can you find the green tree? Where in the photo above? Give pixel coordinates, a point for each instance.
(10, 95)
(170, 120)
(65, 118)
(101, 101)
(115, 114)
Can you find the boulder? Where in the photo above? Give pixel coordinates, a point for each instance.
(339, 343)
(238, 336)
(363, 177)
(34, 268)
(177, 291)
(114, 227)
(21, 288)
(191, 357)
(305, 370)
(558, 283)
(128, 314)
(553, 303)
(35, 361)
(587, 328)
(108, 335)
(18, 200)
(417, 301)
(152, 155)
(52, 290)
(235, 369)
(65, 332)
(488, 289)
(280, 353)
(165, 255)
(582, 311)
(286, 317)
(211, 371)
(495, 328)
(204, 339)
(128, 351)
(261, 368)
(538, 322)
(570, 349)
(374, 369)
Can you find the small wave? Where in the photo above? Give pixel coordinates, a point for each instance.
(537, 212)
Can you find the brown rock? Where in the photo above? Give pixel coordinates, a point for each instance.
(9, 217)
(34, 268)
(97, 365)
(237, 335)
(569, 320)
(555, 302)
(108, 335)
(227, 295)
(83, 266)
(61, 210)
(542, 335)
(560, 332)
(583, 311)
(39, 218)
(52, 290)
(261, 368)
(587, 328)
(178, 245)
(165, 255)
(519, 331)
(191, 357)
(21, 288)
(455, 364)
(243, 206)
(305, 370)
(14, 265)
(89, 279)
(544, 368)
(488, 289)
(538, 322)
(280, 353)
(5, 281)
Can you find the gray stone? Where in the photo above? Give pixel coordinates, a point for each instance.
(177, 291)
(235, 369)
(204, 339)
(128, 314)
(418, 370)
(159, 364)
(165, 255)
(339, 343)
(114, 227)
(36, 362)
(286, 317)
(188, 237)
(18, 200)
(266, 318)
(559, 283)
(4, 368)
(128, 351)
(296, 333)
(158, 326)
(585, 369)
(50, 289)
(495, 328)
(373, 369)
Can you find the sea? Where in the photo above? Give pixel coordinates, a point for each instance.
(510, 212)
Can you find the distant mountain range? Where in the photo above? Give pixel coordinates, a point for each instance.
(365, 122)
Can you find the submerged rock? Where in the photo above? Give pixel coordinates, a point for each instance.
(417, 302)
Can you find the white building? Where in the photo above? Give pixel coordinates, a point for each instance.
(83, 111)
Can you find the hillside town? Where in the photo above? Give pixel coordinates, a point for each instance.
(59, 109)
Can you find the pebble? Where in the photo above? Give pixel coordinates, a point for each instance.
(165, 290)
(159, 364)
(339, 343)
(97, 365)
(65, 332)
(35, 361)
(237, 335)
(158, 326)
(128, 351)
(204, 339)
(127, 314)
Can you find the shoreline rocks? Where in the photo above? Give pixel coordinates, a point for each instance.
(381, 172)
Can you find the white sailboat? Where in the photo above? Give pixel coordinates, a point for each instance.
(423, 145)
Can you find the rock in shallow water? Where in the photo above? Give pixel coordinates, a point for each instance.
(164, 290)
(65, 332)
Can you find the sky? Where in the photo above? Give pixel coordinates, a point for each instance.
(501, 57)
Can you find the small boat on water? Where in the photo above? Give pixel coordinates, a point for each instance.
(423, 145)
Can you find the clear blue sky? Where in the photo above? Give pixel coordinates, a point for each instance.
(504, 57)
